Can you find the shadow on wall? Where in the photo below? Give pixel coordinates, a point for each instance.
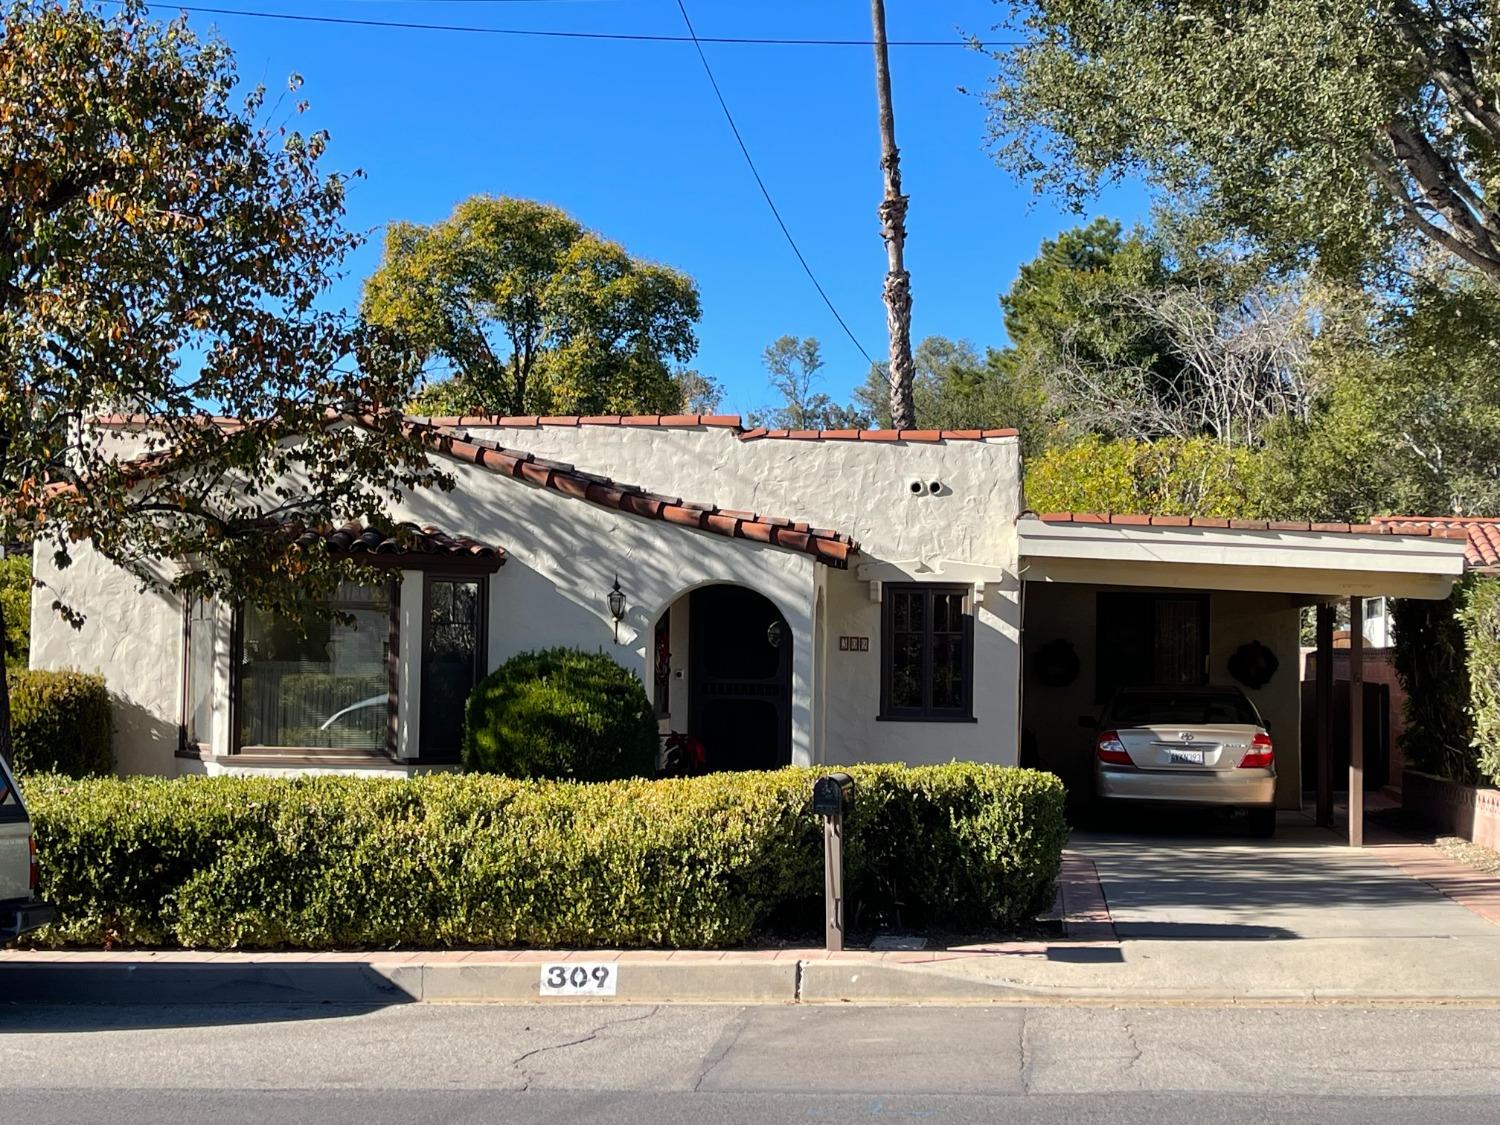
(143, 742)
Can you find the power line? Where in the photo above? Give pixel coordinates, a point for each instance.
(771, 203)
(608, 36)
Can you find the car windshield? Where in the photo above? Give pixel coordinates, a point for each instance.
(1181, 708)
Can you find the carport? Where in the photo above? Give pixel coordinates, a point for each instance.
(1115, 599)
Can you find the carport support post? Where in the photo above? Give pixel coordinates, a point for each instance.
(1323, 715)
(1356, 722)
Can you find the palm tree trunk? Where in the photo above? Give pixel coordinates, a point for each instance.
(893, 229)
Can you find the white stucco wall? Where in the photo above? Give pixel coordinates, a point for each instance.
(563, 555)
(1067, 610)
(132, 637)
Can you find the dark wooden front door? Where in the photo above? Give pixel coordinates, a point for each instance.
(740, 694)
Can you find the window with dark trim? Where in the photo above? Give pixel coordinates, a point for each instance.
(1150, 640)
(201, 651)
(926, 652)
(319, 684)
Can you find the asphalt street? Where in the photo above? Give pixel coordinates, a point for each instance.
(469, 1064)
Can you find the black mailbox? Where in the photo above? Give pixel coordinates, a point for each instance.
(831, 794)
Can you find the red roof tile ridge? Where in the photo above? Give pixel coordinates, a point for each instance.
(920, 437)
(534, 421)
(1380, 525)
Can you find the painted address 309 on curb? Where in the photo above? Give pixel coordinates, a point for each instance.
(579, 978)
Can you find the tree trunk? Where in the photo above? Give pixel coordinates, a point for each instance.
(893, 229)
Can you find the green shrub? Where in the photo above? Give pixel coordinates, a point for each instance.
(1432, 665)
(60, 722)
(1480, 616)
(464, 860)
(561, 713)
(1168, 477)
(15, 604)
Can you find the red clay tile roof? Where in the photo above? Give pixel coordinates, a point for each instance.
(1385, 525)
(1481, 534)
(406, 544)
(669, 421)
(722, 421)
(826, 546)
(877, 435)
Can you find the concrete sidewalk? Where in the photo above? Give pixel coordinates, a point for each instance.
(1191, 919)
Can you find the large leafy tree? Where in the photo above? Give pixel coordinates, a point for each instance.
(955, 388)
(793, 368)
(163, 251)
(511, 306)
(1407, 418)
(1336, 129)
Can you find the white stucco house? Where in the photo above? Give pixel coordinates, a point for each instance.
(788, 597)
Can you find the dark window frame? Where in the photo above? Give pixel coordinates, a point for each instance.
(1103, 690)
(187, 746)
(481, 654)
(926, 713)
(393, 657)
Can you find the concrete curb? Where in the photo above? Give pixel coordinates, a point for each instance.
(831, 980)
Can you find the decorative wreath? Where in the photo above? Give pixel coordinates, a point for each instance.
(1253, 664)
(1056, 663)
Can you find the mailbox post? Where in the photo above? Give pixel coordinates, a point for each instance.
(829, 799)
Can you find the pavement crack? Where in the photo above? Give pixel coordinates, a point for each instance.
(587, 1037)
(1025, 1052)
(728, 1041)
(1131, 1038)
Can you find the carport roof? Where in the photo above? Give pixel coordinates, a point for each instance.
(1480, 533)
(1397, 558)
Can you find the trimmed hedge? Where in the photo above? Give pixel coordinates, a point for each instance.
(1480, 617)
(561, 713)
(456, 860)
(60, 722)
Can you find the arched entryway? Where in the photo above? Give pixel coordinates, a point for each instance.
(739, 679)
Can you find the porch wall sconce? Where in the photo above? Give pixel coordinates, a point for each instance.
(616, 600)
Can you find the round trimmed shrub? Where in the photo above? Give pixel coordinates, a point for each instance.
(560, 713)
(60, 722)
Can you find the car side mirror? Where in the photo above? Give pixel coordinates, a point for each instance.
(1087, 722)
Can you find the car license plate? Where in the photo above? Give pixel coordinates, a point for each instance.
(1186, 757)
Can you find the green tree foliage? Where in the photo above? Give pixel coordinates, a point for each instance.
(150, 215)
(1334, 130)
(1407, 418)
(515, 308)
(15, 609)
(792, 368)
(1173, 477)
(561, 713)
(956, 389)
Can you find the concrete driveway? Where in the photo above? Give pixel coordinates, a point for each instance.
(1201, 909)
(1202, 880)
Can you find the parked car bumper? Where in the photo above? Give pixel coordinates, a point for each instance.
(1239, 788)
(19, 917)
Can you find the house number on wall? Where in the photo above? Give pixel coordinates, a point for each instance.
(579, 979)
(854, 644)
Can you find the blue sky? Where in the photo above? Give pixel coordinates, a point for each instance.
(628, 137)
